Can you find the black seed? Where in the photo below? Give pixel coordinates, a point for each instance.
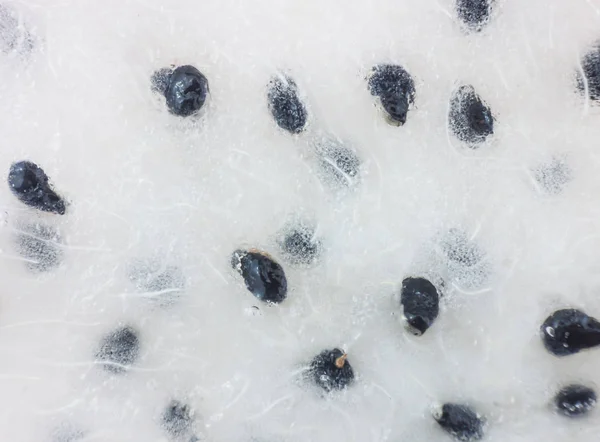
(590, 65)
(396, 90)
(300, 246)
(460, 250)
(39, 245)
(421, 303)
(339, 165)
(330, 370)
(160, 80)
(470, 119)
(285, 105)
(29, 183)
(461, 422)
(575, 400)
(569, 331)
(264, 278)
(177, 419)
(474, 14)
(119, 350)
(186, 90)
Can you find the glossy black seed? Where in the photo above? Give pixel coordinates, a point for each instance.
(575, 400)
(160, 80)
(186, 90)
(474, 14)
(300, 246)
(29, 183)
(330, 370)
(119, 350)
(461, 422)
(553, 176)
(569, 331)
(177, 419)
(339, 165)
(39, 244)
(421, 303)
(590, 65)
(264, 278)
(285, 105)
(396, 90)
(470, 119)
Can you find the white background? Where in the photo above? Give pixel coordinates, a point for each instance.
(142, 182)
